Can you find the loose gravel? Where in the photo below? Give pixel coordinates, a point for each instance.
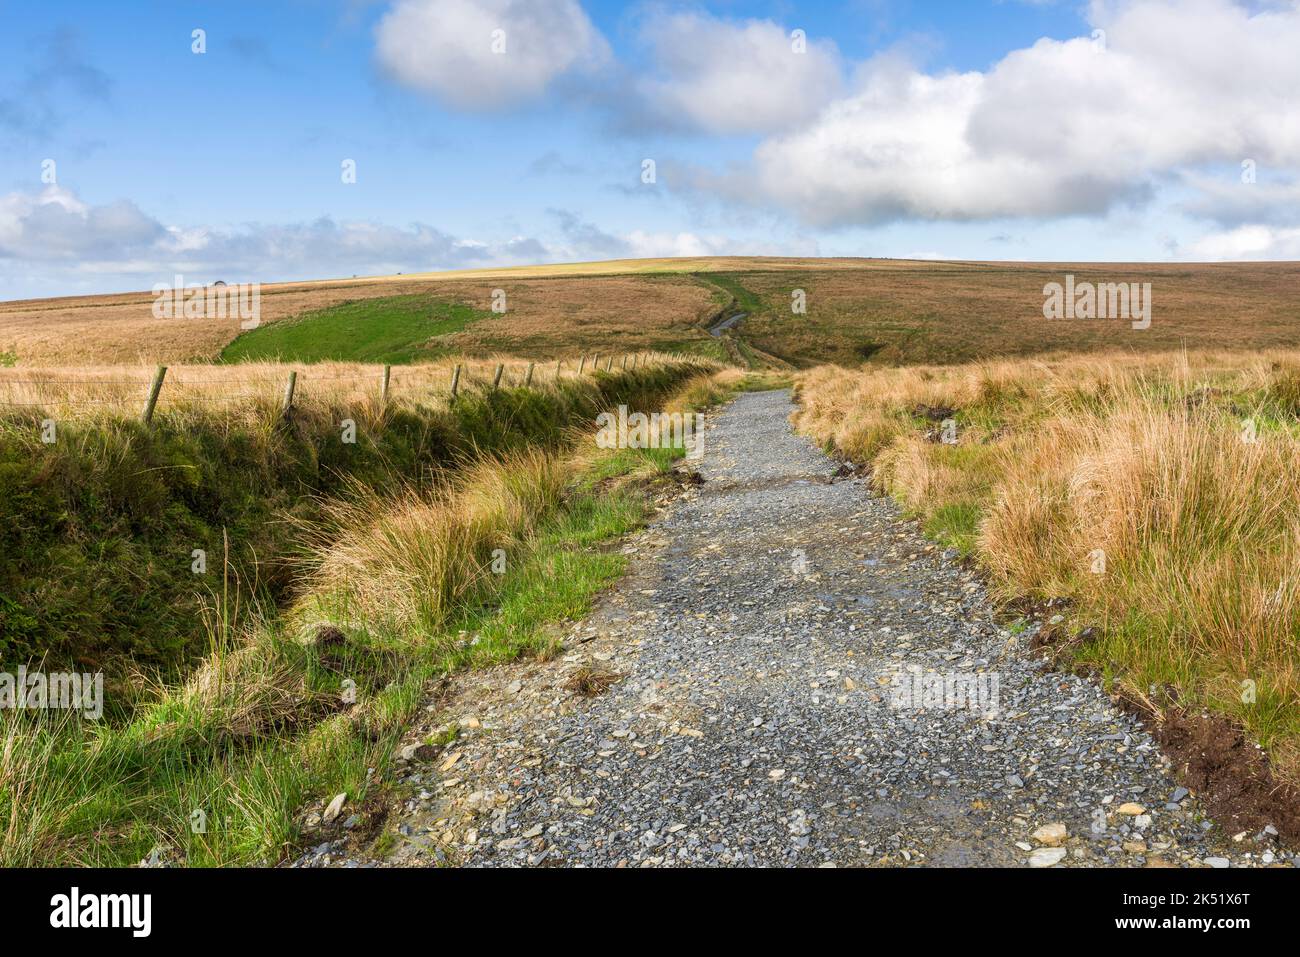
(790, 675)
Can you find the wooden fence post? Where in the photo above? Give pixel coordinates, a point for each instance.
(496, 381)
(609, 364)
(154, 388)
(528, 377)
(624, 362)
(288, 392)
(582, 363)
(558, 364)
(383, 389)
(455, 380)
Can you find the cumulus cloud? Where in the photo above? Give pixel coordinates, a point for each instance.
(704, 73)
(900, 150)
(327, 247)
(1063, 127)
(66, 243)
(58, 229)
(653, 245)
(475, 54)
(585, 240)
(1247, 243)
(54, 224)
(723, 77)
(579, 239)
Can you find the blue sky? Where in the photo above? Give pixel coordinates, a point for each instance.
(973, 129)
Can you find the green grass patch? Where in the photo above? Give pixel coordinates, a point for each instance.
(707, 347)
(217, 771)
(617, 462)
(955, 524)
(393, 330)
(98, 531)
(557, 583)
(746, 300)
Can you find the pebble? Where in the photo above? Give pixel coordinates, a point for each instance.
(1047, 857)
(334, 808)
(1053, 835)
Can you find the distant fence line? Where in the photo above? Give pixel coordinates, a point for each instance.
(387, 378)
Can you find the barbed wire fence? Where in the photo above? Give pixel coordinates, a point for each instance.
(458, 378)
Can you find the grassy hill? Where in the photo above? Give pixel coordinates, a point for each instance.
(1082, 436)
(886, 312)
(392, 329)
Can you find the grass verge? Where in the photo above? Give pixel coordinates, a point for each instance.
(117, 540)
(310, 700)
(1154, 498)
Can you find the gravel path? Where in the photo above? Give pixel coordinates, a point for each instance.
(717, 330)
(778, 639)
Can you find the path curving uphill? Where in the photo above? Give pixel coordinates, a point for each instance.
(718, 328)
(763, 641)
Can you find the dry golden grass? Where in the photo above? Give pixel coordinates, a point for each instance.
(410, 562)
(947, 312)
(555, 318)
(1143, 463)
(385, 584)
(544, 319)
(891, 311)
(84, 391)
(622, 267)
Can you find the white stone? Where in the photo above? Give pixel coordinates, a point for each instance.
(1046, 857)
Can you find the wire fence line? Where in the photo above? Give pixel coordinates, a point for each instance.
(169, 386)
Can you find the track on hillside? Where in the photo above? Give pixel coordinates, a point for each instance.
(770, 685)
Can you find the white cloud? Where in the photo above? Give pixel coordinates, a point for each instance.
(1059, 128)
(723, 77)
(642, 244)
(66, 244)
(1247, 243)
(54, 225)
(73, 240)
(646, 245)
(446, 47)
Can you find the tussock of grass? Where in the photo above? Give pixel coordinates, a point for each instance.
(590, 682)
(707, 390)
(1140, 460)
(412, 561)
(112, 504)
(295, 705)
